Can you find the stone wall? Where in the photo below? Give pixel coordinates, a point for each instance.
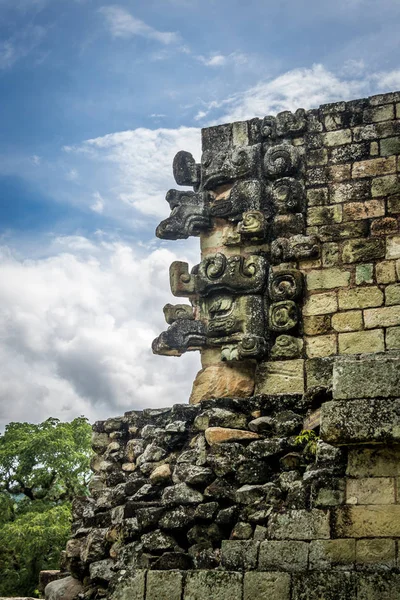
(281, 478)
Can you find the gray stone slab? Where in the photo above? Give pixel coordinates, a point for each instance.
(164, 585)
(283, 555)
(367, 376)
(266, 585)
(204, 585)
(360, 421)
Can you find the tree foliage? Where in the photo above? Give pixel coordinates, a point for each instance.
(42, 468)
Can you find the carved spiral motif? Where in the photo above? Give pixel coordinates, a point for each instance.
(249, 267)
(215, 266)
(268, 127)
(252, 222)
(222, 208)
(283, 315)
(281, 160)
(285, 285)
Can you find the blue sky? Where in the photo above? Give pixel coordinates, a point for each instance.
(96, 98)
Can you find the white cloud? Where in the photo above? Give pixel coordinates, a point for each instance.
(123, 24)
(98, 205)
(76, 330)
(135, 167)
(221, 60)
(19, 45)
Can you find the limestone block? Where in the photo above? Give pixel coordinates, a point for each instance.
(359, 342)
(366, 377)
(385, 186)
(321, 304)
(327, 279)
(324, 585)
(374, 462)
(364, 297)
(218, 435)
(239, 555)
(384, 226)
(330, 254)
(130, 587)
(283, 555)
(350, 320)
(203, 585)
(223, 380)
(281, 377)
(350, 191)
(385, 271)
(393, 205)
(373, 521)
(337, 138)
(339, 172)
(360, 421)
(384, 586)
(266, 585)
(323, 215)
(364, 273)
(317, 324)
(374, 167)
(341, 231)
(386, 316)
(164, 585)
(392, 294)
(376, 553)
(299, 525)
(327, 554)
(379, 113)
(390, 146)
(393, 247)
(393, 338)
(321, 345)
(370, 209)
(363, 250)
(370, 490)
(319, 371)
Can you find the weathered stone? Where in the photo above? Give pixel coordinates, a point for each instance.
(328, 278)
(218, 435)
(393, 338)
(374, 167)
(321, 345)
(321, 304)
(181, 493)
(192, 474)
(364, 274)
(161, 474)
(102, 570)
(367, 521)
(63, 589)
(370, 209)
(221, 381)
(95, 546)
(316, 325)
(360, 342)
(219, 417)
(374, 490)
(324, 586)
(206, 512)
(177, 518)
(363, 250)
(210, 533)
(376, 554)
(319, 372)
(131, 586)
(277, 555)
(328, 554)
(379, 461)
(382, 586)
(360, 421)
(366, 377)
(164, 585)
(299, 525)
(347, 321)
(213, 584)
(238, 555)
(393, 247)
(264, 585)
(281, 377)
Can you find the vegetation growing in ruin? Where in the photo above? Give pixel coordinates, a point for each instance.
(42, 468)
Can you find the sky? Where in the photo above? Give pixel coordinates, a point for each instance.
(95, 100)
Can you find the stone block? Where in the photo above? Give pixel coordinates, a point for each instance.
(379, 113)
(374, 167)
(393, 247)
(283, 555)
(350, 191)
(390, 146)
(386, 316)
(376, 554)
(350, 320)
(364, 297)
(265, 585)
(319, 372)
(327, 279)
(323, 215)
(385, 186)
(317, 325)
(374, 521)
(219, 435)
(360, 421)
(337, 138)
(330, 254)
(370, 490)
(385, 271)
(164, 585)
(363, 250)
(239, 555)
(364, 274)
(392, 338)
(321, 345)
(361, 342)
(374, 462)
(223, 380)
(353, 211)
(366, 377)
(299, 525)
(392, 294)
(384, 226)
(281, 377)
(365, 132)
(321, 304)
(327, 554)
(324, 586)
(384, 586)
(130, 586)
(203, 585)
(341, 231)
(317, 196)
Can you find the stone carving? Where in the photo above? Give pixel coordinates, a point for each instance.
(249, 199)
(189, 215)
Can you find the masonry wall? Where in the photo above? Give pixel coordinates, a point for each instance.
(293, 490)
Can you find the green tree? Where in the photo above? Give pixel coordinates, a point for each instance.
(42, 468)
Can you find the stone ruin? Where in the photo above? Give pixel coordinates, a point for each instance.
(281, 478)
